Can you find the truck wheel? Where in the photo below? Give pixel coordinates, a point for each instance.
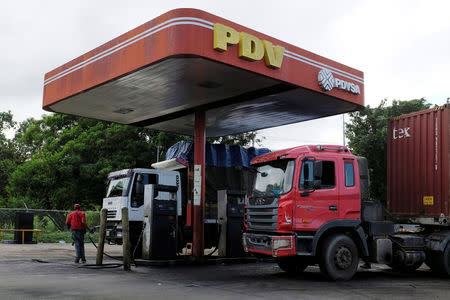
(433, 261)
(439, 262)
(339, 257)
(292, 264)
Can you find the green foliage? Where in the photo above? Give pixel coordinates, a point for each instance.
(52, 237)
(92, 218)
(367, 136)
(68, 159)
(9, 155)
(55, 237)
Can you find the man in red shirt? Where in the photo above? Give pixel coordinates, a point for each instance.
(77, 222)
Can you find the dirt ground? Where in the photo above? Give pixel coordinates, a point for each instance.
(47, 271)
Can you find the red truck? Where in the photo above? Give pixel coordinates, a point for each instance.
(311, 204)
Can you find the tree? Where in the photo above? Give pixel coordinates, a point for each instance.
(68, 159)
(9, 155)
(367, 135)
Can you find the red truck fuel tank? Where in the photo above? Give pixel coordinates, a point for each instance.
(418, 166)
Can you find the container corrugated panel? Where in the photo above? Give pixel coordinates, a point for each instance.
(418, 166)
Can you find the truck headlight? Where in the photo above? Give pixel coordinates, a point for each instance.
(281, 243)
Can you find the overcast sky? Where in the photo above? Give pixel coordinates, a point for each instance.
(403, 47)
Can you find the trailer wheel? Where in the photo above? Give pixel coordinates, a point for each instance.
(292, 264)
(339, 257)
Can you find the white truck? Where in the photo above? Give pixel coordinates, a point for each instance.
(126, 189)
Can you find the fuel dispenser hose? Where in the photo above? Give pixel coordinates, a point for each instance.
(87, 266)
(90, 266)
(93, 243)
(102, 266)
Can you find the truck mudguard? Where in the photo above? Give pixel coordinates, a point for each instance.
(351, 224)
(438, 241)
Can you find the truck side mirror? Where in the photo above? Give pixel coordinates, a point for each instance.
(317, 171)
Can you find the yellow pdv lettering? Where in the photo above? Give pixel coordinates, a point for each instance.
(250, 47)
(224, 35)
(273, 56)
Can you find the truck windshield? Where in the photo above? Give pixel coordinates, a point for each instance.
(274, 178)
(118, 187)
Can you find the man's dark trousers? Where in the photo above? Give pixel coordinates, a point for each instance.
(78, 239)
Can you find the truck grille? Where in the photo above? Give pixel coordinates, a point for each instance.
(111, 214)
(262, 214)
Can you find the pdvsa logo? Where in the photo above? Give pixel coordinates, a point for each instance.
(327, 82)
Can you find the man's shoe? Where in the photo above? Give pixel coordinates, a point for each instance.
(83, 261)
(76, 261)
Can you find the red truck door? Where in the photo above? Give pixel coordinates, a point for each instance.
(317, 199)
(350, 197)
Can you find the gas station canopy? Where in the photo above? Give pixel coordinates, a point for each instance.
(186, 60)
(193, 73)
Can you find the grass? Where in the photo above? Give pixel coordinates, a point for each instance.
(50, 232)
(53, 237)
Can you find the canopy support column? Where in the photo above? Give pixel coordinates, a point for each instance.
(199, 184)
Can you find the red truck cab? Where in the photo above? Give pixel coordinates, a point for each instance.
(303, 197)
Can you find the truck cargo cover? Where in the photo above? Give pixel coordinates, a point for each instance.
(217, 155)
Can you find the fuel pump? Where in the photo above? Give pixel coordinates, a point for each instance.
(231, 220)
(159, 239)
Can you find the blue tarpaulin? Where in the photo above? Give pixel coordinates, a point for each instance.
(217, 155)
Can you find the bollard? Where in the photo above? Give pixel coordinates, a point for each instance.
(101, 237)
(126, 240)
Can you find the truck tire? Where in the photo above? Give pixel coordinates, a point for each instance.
(292, 264)
(439, 262)
(433, 262)
(339, 257)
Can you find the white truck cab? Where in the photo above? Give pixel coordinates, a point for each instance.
(126, 189)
